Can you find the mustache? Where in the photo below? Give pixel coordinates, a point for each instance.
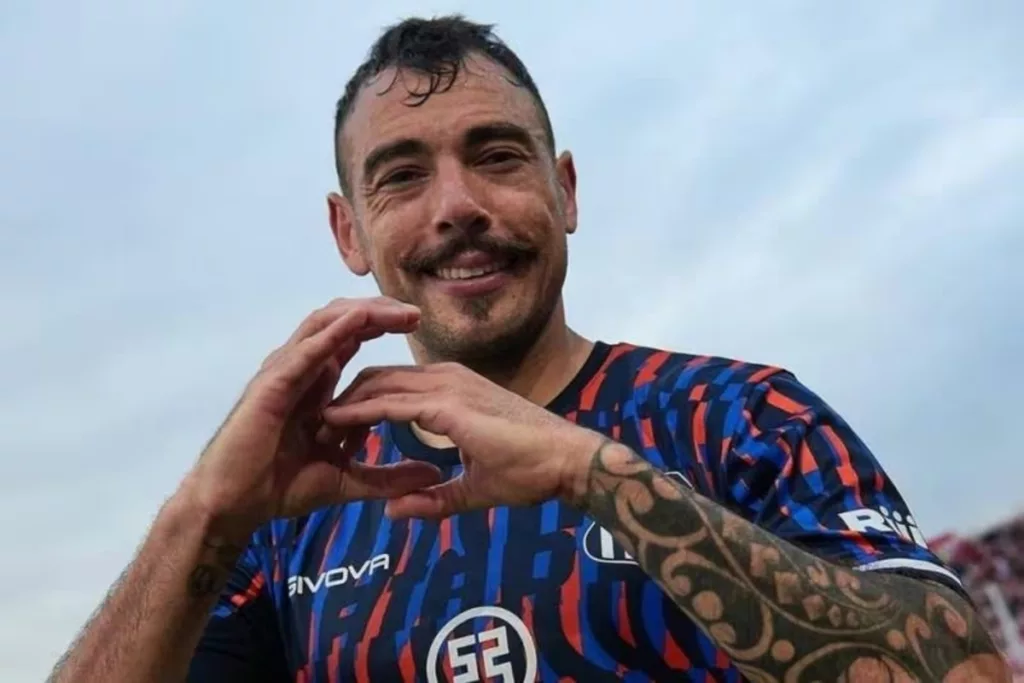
(505, 249)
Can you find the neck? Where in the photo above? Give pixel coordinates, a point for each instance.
(539, 374)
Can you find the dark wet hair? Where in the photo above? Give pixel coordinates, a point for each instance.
(437, 48)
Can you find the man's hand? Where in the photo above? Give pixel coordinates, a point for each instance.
(514, 452)
(266, 462)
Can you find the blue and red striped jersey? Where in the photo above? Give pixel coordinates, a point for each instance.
(542, 593)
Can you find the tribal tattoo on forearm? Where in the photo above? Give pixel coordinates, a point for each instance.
(781, 613)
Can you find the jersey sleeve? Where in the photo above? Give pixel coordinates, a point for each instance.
(242, 641)
(797, 469)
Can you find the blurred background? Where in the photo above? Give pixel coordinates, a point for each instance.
(831, 187)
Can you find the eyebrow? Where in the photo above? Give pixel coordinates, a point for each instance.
(390, 151)
(491, 132)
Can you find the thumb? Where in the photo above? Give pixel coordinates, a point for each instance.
(437, 502)
(388, 481)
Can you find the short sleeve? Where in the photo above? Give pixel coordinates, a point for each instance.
(797, 469)
(242, 641)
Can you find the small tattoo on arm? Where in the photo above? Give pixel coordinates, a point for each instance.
(203, 581)
(212, 573)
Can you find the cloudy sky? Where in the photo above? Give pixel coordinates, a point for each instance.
(833, 187)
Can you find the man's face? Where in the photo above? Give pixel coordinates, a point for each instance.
(458, 207)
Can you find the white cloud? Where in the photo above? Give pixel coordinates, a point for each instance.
(820, 186)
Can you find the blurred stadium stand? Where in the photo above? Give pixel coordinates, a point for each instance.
(991, 565)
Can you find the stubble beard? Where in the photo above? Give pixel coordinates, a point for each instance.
(497, 352)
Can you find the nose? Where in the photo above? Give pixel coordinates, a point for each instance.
(458, 203)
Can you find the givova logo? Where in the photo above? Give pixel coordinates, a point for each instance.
(483, 644)
(297, 585)
(599, 544)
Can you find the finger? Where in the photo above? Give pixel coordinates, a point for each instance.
(376, 381)
(327, 435)
(339, 447)
(355, 439)
(369, 333)
(321, 392)
(321, 318)
(389, 481)
(427, 410)
(366, 320)
(437, 502)
(301, 365)
(334, 367)
(346, 352)
(319, 483)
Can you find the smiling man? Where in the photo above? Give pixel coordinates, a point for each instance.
(522, 502)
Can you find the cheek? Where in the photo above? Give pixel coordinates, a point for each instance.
(548, 231)
(537, 215)
(395, 231)
(385, 255)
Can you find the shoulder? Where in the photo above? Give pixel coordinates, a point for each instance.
(676, 375)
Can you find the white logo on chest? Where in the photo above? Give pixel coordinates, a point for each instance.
(485, 655)
(299, 585)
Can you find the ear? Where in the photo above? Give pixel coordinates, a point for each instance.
(565, 172)
(346, 234)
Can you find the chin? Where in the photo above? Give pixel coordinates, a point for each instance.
(471, 340)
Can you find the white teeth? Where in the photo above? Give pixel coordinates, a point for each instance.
(466, 273)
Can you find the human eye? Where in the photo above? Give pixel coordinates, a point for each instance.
(400, 176)
(501, 157)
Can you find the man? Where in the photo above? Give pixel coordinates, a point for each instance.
(522, 503)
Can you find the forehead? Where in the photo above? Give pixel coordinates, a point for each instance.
(484, 92)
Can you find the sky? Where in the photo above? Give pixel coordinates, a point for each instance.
(830, 187)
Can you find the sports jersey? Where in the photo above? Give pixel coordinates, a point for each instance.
(542, 593)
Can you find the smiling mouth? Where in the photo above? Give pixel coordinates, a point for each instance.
(456, 274)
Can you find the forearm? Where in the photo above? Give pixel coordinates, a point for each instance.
(148, 627)
(780, 612)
